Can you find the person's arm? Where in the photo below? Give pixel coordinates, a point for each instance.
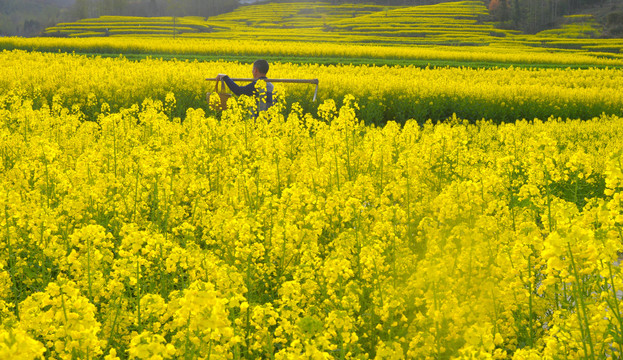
(239, 90)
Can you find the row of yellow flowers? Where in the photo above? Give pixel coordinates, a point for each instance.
(384, 93)
(508, 52)
(297, 235)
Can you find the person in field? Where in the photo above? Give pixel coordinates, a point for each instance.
(264, 96)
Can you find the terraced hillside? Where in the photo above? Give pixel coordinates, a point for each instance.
(452, 23)
(130, 25)
(446, 23)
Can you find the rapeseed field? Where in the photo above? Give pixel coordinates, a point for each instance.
(383, 93)
(128, 231)
(411, 212)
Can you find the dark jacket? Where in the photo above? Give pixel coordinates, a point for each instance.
(264, 102)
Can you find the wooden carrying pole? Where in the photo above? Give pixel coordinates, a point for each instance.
(293, 81)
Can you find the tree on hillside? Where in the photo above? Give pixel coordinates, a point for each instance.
(205, 8)
(112, 7)
(79, 10)
(535, 15)
(499, 9)
(29, 17)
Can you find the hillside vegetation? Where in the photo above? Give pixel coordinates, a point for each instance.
(452, 23)
(29, 17)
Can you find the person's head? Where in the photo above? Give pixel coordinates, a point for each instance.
(260, 68)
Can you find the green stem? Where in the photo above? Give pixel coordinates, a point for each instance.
(114, 131)
(437, 328)
(138, 296)
(549, 205)
(248, 320)
(11, 263)
(581, 306)
(278, 175)
(530, 301)
(617, 312)
(135, 194)
(89, 270)
(337, 167)
(48, 192)
(113, 328)
(63, 305)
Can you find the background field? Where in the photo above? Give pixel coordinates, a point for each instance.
(411, 62)
(375, 35)
(451, 23)
(383, 93)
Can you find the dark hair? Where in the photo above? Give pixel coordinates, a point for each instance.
(261, 66)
